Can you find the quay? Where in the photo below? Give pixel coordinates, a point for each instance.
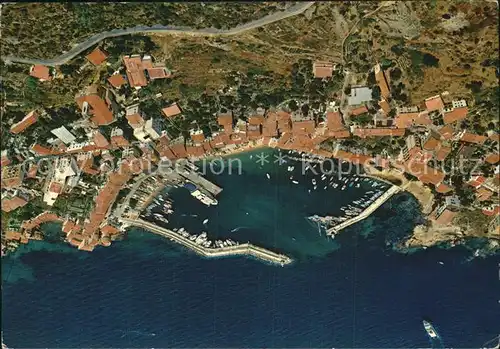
(246, 249)
(368, 211)
(197, 179)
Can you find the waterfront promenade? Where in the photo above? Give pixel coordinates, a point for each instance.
(246, 249)
(368, 211)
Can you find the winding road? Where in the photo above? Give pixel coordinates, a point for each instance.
(67, 56)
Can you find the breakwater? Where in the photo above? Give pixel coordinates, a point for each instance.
(245, 249)
(368, 211)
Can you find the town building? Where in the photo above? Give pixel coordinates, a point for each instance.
(92, 105)
(323, 69)
(118, 139)
(134, 116)
(153, 127)
(172, 110)
(97, 56)
(27, 121)
(63, 134)
(12, 176)
(64, 167)
(40, 72)
(359, 95)
(382, 82)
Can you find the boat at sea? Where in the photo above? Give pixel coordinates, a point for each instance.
(295, 182)
(268, 176)
(205, 221)
(431, 331)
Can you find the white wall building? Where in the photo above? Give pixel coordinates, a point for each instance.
(63, 134)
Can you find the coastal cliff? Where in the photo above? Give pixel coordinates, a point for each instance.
(458, 231)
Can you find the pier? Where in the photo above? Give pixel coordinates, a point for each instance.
(368, 211)
(246, 249)
(193, 176)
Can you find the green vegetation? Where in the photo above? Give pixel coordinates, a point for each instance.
(473, 220)
(64, 24)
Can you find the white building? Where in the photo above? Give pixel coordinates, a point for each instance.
(63, 134)
(64, 167)
(153, 128)
(359, 95)
(141, 134)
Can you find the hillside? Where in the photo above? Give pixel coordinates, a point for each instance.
(429, 47)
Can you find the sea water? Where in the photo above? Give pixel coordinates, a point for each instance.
(354, 291)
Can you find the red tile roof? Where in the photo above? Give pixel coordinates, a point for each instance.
(117, 80)
(99, 109)
(382, 82)
(359, 110)
(456, 115)
(225, 119)
(339, 134)
(105, 198)
(386, 108)
(431, 144)
(492, 158)
(322, 69)
(11, 204)
(303, 127)
(442, 153)
(446, 132)
(473, 138)
(40, 72)
(476, 181)
(157, 73)
(41, 150)
(255, 120)
(446, 217)
(119, 141)
(97, 56)
(27, 121)
(404, 120)
(171, 110)
(179, 150)
(198, 137)
(135, 71)
(491, 211)
(334, 121)
(483, 194)
(109, 230)
(434, 103)
(99, 140)
(135, 120)
(443, 188)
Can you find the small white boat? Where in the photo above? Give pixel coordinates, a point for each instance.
(441, 263)
(268, 176)
(313, 181)
(295, 182)
(205, 221)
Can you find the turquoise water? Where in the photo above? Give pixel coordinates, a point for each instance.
(351, 292)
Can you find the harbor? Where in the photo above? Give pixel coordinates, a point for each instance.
(236, 249)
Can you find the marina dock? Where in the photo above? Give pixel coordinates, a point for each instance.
(246, 249)
(196, 178)
(368, 211)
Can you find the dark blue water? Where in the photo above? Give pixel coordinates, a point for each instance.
(350, 292)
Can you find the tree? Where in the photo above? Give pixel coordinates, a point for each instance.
(395, 74)
(376, 93)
